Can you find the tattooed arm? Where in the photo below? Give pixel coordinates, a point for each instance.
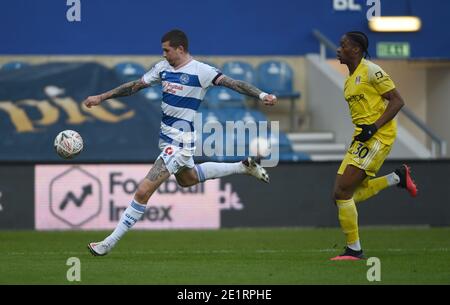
(123, 90)
(239, 86)
(247, 89)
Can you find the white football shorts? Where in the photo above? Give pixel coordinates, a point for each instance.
(175, 158)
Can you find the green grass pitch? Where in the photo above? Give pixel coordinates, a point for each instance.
(227, 256)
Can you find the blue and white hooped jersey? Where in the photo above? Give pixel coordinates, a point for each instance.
(183, 91)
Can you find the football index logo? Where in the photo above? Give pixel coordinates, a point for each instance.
(71, 197)
(75, 197)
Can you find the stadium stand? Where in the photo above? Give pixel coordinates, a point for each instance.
(153, 93)
(128, 71)
(14, 65)
(220, 97)
(277, 77)
(239, 70)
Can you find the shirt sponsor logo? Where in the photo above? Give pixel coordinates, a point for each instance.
(355, 98)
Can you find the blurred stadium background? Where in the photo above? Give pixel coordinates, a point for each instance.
(50, 61)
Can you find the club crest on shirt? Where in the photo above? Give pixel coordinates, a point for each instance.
(163, 75)
(184, 79)
(358, 80)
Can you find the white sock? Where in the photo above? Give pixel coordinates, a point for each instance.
(355, 246)
(129, 217)
(393, 179)
(212, 170)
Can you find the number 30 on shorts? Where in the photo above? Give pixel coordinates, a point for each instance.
(361, 150)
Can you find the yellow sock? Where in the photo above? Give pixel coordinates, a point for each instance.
(369, 188)
(348, 218)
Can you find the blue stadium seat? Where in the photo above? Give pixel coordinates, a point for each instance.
(286, 153)
(220, 97)
(258, 115)
(129, 71)
(153, 93)
(277, 77)
(239, 70)
(209, 63)
(239, 142)
(284, 145)
(247, 115)
(14, 65)
(293, 157)
(211, 123)
(210, 115)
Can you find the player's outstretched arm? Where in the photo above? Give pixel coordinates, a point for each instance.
(247, 89)
(123, 90)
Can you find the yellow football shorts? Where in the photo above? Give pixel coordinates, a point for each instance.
(368, 156)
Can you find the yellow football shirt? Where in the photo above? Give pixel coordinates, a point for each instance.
(363, 92)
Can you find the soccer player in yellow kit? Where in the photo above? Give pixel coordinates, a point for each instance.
(374, 102)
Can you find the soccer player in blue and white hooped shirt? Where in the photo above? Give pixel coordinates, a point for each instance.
(185, 82)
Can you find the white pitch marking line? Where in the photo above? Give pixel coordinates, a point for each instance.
(227, 251)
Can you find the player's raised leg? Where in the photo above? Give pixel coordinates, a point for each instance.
(401, 177)
(406, 181)
(212, 170)
(157, 175)
(249, 166)
(371, 187)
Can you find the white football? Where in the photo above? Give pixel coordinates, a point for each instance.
(68, 144)
(260, 147)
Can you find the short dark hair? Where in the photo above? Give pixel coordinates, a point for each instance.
(361, 40)
(176, 38)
